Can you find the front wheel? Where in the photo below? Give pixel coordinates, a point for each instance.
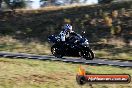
(56, 51)
(87, 54)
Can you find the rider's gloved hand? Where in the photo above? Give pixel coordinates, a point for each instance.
(76, 41)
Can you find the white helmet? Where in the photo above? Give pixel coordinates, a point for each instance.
(67, 27)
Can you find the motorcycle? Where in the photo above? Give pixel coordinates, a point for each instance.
(79, 48)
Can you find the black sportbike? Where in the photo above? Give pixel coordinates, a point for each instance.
(76, 45)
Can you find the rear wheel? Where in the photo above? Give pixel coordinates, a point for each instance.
(57, 51)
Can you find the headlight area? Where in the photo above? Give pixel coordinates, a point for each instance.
(86, 43)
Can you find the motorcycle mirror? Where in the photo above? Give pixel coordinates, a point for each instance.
(83, 32)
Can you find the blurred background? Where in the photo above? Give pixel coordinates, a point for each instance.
(27, 23)
(35, 4)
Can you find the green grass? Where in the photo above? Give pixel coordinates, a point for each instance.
(123, 53)
(118, 56)
(25, 73)
(10, 44)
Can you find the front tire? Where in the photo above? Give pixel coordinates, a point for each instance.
(87, 54)
(56, 51)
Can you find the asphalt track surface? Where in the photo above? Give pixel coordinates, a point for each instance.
(95, 61)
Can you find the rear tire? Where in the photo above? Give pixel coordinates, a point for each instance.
(56, 51)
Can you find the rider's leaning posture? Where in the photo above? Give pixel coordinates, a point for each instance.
(68, 35)
(65, 33)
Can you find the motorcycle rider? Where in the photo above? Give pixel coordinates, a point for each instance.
(67, 33)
